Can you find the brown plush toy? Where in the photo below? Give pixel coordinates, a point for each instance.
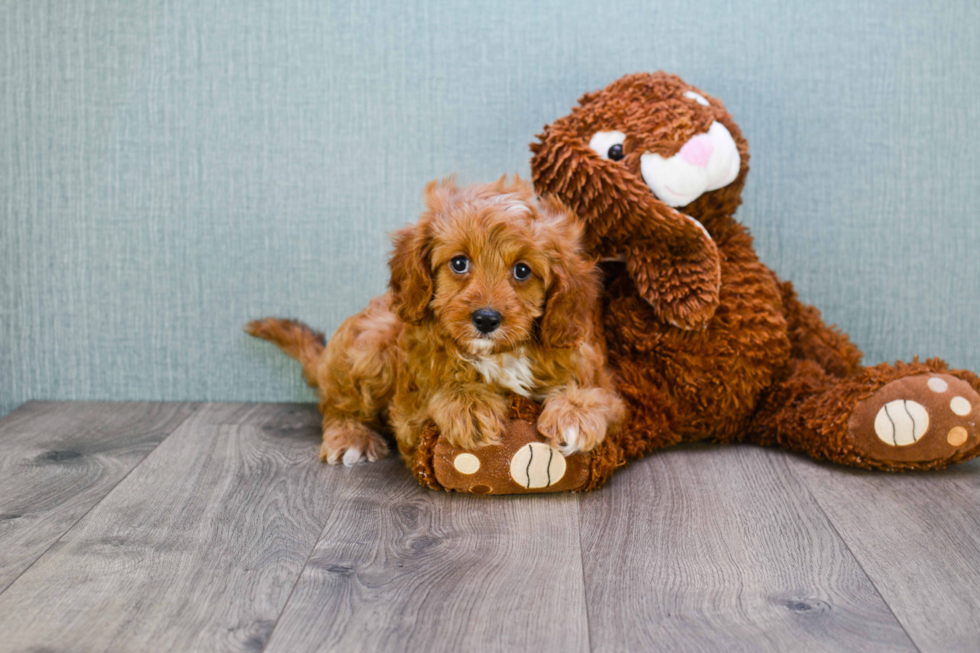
(706, 341)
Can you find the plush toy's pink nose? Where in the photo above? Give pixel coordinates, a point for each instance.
(697, 151)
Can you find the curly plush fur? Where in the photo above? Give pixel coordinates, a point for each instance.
(416, 356)
(705, 341)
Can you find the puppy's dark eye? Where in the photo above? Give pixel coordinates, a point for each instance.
(616, 152)
(460, 264)
(522, 271)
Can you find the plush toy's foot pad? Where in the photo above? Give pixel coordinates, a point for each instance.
(917, 419)
(524, 463)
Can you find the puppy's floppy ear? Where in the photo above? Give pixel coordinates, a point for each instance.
(573, 288)
(411, 279)
(411, 273)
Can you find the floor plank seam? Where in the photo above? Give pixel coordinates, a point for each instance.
(850, 551)
(581, 562)
(299, 576)
(102, 498)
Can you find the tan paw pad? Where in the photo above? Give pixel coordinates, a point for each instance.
(960, 406)
(466, 463)
(957, 436)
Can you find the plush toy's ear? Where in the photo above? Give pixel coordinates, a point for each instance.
(573, 288)
(673, 261)
(680, 280)
(411, 272)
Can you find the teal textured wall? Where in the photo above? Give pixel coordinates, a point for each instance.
(169, 170)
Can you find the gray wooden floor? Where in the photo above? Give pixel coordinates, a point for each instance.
(212, 527)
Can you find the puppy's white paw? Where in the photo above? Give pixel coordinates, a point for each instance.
(352, 456)
(351, 443)
(571, 428)
(571, 441)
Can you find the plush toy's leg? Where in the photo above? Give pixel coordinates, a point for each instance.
(889, 417)
(812, 340)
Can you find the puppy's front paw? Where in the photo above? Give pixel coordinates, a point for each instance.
(471, 425)
(351, 443)
(491, 422)
(571, 426)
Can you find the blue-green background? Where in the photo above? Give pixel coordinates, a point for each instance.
(169, 170)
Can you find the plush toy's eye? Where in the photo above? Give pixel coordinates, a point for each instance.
(608, 145)
(460, 264)
(522, 271)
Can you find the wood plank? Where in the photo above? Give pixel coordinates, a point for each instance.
(58, 459)
(197, 549)
(917, 536)
(402, 568)
(722, 548)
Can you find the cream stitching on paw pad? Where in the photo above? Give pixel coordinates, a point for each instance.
(901, 422)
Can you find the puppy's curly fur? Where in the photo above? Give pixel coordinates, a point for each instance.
(416, 354)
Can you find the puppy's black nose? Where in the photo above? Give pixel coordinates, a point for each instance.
(486, 320)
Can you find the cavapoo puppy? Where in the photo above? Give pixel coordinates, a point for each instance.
(490, 294)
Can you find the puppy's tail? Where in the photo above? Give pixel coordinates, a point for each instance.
(293, 337)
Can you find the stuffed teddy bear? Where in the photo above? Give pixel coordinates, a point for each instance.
(705, 341)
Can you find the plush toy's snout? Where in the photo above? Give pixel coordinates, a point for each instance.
(705, 163)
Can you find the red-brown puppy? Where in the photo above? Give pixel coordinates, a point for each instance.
(490, 294)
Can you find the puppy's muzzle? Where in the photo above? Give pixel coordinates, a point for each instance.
(486, 320)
